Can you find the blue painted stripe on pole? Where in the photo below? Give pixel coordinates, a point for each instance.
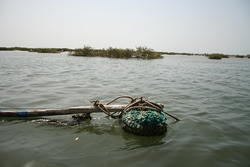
(22, 113)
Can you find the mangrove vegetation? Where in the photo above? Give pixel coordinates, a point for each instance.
(139, 52)
(240, 56)
(217, 56)
(88, 51)
(39, 50)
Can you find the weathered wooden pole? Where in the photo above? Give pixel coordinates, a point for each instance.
(48, 112)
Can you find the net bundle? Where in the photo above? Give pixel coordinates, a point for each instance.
(148, 122)
(140, 116)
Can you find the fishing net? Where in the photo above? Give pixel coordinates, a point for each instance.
(140, 116)
(148, 122)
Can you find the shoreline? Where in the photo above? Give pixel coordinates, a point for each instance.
(110, 52)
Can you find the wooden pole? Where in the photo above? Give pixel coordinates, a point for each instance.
(48, 112)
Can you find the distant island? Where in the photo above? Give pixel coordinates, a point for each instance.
(139, 52)
(88, 51)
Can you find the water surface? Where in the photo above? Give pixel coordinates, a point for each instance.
(211, 97)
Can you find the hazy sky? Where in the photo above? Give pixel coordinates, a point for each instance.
(194, 26)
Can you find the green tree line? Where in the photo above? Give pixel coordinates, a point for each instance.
(139, 52)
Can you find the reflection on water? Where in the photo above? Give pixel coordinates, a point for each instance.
(210, 97)
(135, 142)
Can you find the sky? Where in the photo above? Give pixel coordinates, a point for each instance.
(192, 26)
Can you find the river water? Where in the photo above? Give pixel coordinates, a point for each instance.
(211, 97)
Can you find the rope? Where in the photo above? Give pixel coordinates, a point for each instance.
(139, 103)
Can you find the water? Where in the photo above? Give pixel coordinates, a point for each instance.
(211, 97)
